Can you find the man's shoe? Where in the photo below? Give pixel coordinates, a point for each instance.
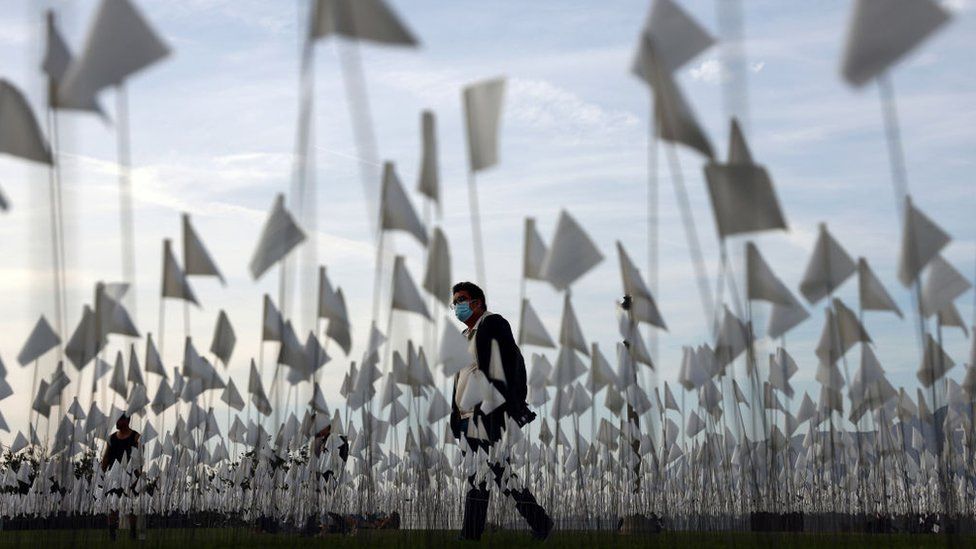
(543, 535)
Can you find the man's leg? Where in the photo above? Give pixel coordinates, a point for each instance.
(475, 502)
(526, 505)
(113, 524)
(475, 511)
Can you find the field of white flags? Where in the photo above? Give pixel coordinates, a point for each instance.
(296, 407)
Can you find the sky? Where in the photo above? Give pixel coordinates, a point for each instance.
(213, 130)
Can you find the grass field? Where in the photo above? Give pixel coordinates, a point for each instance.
(205, 538)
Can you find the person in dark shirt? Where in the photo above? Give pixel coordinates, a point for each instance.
(487, 328)
(120, 444)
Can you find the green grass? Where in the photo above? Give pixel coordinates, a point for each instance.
(206, 538)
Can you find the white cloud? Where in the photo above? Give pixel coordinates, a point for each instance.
(709, 71)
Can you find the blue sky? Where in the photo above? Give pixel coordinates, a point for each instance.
(213, 130)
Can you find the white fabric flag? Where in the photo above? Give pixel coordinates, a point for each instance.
(57, 59)
(406, 296)
(784, 318)
(674, 119)
(570, 333)
(943, 284)
(883, 31)
(196, 258)
(534, 251)
(224, 339)
(571, 255)
(175, 283)
(437, 275)
(428, 184)
(761, 283)
(332, 306)
(279, 236)
(397, 212)
(20, 135)
(828, 268)
(921, 240)
(120, 43)
(643, 305)
(482, 114)
(232, 397)
(872, 293)
(743, 199)
(368, 20)
(531, 329)
(41, 340)
(154, 363)
(935, 363)
(676, 37)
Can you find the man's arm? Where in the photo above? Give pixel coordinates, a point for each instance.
(500, 330)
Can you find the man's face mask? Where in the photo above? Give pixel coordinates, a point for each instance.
(462, 310)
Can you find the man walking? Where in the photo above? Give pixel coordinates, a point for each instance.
(484, 327)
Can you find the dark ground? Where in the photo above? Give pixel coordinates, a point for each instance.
(237, 538)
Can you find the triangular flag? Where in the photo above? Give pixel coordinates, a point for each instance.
(437, 275)
(165, 397)
(677, 38)
(20, 135)
(570, 333)
(943, 284)
(397, 212)
(369, 20)
(154, 363)
(85, 342)
(332, 305)
(120, 43)
(828, 268)
(57, 59)
(196, 259)
(118, 382)
(534, 251)
(935, 363)
(279, 236)
(134, 372)
(338, 330)
(571, 255)
(272, 323)
(406, 296)
(783, 318)
(743, 199)
(223, 339)
(41, 340)
(872, 293)
(438, 409)
(921, 240)
(112, 316)
(531, 329)
(738, 148)
(428, 183)
(761, 283)
(232, 397)
(674, 119)
(949, 316)
(883, 31)
(175, 283)
(482, 115)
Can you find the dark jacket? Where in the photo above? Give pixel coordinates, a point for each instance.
(514, 389)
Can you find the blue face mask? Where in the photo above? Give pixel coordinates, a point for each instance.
(463, 311)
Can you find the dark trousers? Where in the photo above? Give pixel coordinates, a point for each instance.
(476, 500)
